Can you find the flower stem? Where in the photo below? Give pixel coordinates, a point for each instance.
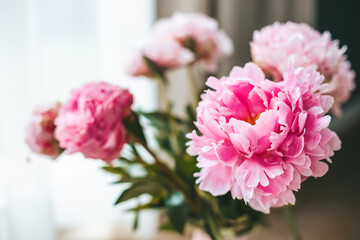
(192, 84)
(173, 125)
(291, 221)
(171, 176)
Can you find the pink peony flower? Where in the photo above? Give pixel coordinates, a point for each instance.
(183, 39)
(40, 131)
(166, 54)
(274, 45)
(260, 139)
(197, 32)
(137, 66)
(91, 121)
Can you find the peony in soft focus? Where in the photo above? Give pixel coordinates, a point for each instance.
(136, 65)
(91, 121)
(168, 54)
(261, 139)
(164, 54)
(40, 130)
(197, 32)
(274, 45)
(183, 39)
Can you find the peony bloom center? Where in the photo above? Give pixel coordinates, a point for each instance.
(252, 119)
(260, 139)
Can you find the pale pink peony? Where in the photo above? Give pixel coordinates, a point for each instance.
(197, 32)
(260, 139)
(136, 66)
(274, 45)
(165, 54)
(40, 130)
(168, 54)
(341, 85)
(91, 122)
(183, 39)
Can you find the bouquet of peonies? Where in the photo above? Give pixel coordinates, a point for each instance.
(255, 136)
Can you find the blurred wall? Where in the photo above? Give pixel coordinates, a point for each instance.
(342, 20)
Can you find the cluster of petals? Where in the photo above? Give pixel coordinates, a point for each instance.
(261, 139)
(183, 39)
(40, 130)
(91, 121)
(165, 54)
(274, 45)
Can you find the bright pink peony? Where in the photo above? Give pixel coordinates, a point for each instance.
(274, 45)
(40, 131)
(91, 121)
(183, 39)
(260, 139)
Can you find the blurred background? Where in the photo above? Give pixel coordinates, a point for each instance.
(48, 47)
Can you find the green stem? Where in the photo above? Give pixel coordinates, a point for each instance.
(291, 221)
(192, 85)
(163, 93)
(173, 125)
(172, 177)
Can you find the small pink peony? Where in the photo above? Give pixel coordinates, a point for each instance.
(91, 121)
(274, 45)
(260, 139)
(136, 66)
(183, 39)
(166, 54)
(197, 32)
(40, 131)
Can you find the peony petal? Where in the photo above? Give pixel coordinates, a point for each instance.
(216, 179)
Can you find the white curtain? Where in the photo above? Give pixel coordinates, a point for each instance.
(47, 48)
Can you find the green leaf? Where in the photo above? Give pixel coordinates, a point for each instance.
(116, 170)
(211, 226)
(155, 69)
(239, 216)
(125, 160)
(190, 113)
(185, 167)
(129, 179)
(166, 226)
(154, 203)
(177, 210)
(133, 126)
(141, 187)
(159, 120)
(164, 143)
(136, 220)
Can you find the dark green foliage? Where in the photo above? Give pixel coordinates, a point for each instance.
(141, 187)
(173, 188)
(133, 126)
(136, 220)
(155, 69)
(176, 210)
